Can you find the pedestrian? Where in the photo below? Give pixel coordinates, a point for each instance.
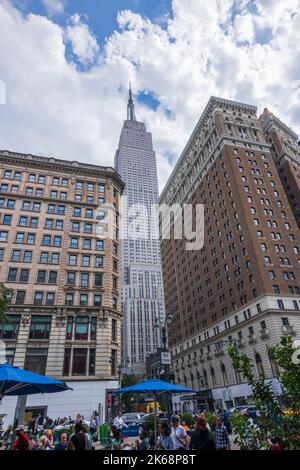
(23, 441)
(226, 420)
(185, 426)
(204, 415)
(144, 444)
(222, 438)
(165, 440)
(201, 438)
(63, 444)
(178, 434)
(118, 421)
(77, 440)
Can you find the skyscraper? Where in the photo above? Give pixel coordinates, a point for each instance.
(141, 274)
(243, 285)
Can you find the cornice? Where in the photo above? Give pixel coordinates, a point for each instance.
(58, 165)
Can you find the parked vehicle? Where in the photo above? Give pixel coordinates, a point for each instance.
(68, 425)
(132, 418)
(237, 409)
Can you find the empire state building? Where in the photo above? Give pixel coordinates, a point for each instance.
(141, 273)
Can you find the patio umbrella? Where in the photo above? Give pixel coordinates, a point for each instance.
(15, 381)
(20, 382)
(154, 387)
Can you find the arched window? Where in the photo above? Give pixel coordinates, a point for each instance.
(273, 364)
(259, 365)
(192, 380)
(205, 381)
(213, 376)
(224, 374)
(198, 380)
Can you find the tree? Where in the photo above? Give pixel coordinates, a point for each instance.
(281, 425)
(4, 293)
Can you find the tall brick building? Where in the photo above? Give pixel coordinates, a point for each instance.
(65, 318)
(244, 284)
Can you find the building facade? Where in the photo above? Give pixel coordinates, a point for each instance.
(244, 284)
(141, 277)
(286, 153)
(65, 318)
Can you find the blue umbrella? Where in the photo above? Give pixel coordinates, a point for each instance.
(154, 387)
(15, 381)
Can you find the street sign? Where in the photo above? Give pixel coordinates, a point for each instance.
(165, 358)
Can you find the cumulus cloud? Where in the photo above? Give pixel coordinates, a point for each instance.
(84, 43)
(247, 50)
(54, 7)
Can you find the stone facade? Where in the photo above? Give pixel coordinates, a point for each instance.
(65, 318)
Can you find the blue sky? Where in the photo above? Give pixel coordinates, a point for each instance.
(102, 14)
(66, 74)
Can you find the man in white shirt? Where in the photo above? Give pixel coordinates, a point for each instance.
(178, 434)
(118, 421)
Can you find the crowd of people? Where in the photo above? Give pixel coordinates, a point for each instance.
(174, 436)
(173, 433)
(48, 434)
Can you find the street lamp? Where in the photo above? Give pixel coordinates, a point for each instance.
(163, 327)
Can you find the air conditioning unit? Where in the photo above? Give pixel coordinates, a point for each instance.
(252, 338)
(264, 334)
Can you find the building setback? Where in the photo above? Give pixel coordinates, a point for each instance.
(286, 153)
(65, 319)
(141, 277)
(244, 283)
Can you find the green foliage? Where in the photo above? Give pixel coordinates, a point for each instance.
(4, 292)
(150, 423)
(282, 353)
(189, 419)
(273, 421)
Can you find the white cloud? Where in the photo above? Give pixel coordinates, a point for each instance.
(206, 48)
(54, 7)
(84, 43)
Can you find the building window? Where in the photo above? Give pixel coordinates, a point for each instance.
(280, 304)
(259, 365)
(113, 329)
(10, 328)
(113, 361)
(27, 258)
(69, 299)
(67, 361)
(36, 360)
(40, 327)
(224, 375)
(38, 298)
(9, 355)
(83, 300)
(93, 329)
(92, 361)
(98, 279)
(12, 275)
(81, 328)
(79, 361)
(69, 333)
(50, 298)
(20, 297)
(97, 300)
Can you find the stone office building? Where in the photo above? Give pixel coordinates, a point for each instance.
(65, 319)
(244, 284)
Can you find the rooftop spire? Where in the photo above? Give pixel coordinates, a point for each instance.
(130, 106)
